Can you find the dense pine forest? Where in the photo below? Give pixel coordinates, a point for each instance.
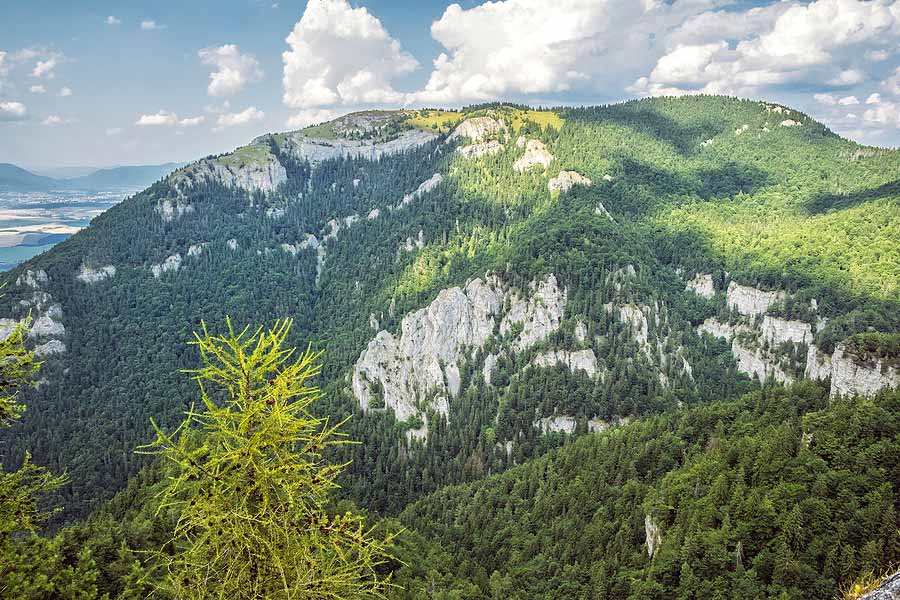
(638, 410)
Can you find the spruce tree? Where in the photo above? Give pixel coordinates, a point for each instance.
(251, 483)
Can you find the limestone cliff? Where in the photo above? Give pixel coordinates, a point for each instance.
(418, 369)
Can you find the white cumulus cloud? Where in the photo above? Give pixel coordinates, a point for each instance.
(111, 20)
(45, 68)
(233, 70)
(37, 89)
(312, 116)
(65, 91)
(12, 111)
(248, 115)
(824, 40)
(342, 55)
(150, 25)
(52, 120)
(168, 119)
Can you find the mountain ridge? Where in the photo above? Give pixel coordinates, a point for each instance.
(16, 179)
(353, 245)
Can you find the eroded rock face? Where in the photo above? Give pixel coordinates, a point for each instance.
(49, 348)
(536, 154)
(778, 331)
(702, 285)
(482, 149)
(751, 301)
(566, 180)
(263, 174)
(195, 250)
(33, 279)
(540, 315)
(477, 129)
(601, 211)
(561, 424)
(577, 360)
(426, 186)
(790, 123)
(888, 590)
(653, 535)
(419, 368)
(169, 210)
(88, 275)
(171, 264)
(752, 360)
(851, 376)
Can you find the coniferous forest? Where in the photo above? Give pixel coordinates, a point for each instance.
(219, 391)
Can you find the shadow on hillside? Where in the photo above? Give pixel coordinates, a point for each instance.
(826, 202)
(723, 182)
(642, 119)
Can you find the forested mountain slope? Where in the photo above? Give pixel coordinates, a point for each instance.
(483, 282)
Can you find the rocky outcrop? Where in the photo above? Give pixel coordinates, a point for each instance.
(600, 210)
(702, 285)
(888, 590)
(790, 123)
(751, 301)
(195, 250)
(33, 279)
(575, 360)
(561, 424)
(418, 369)
(850, 375)
(171, 264)
(566, 180)
(540, 314)
(171, 209)
(426, 186)
(637, 321)
(536, 154)
(777, 331)
(49, 348)
(259, 171)
(477, 129)
(652, 536)
(411, 244)
(752, 359)
(482, 149)
(232, 244)
(316, 150)
(716, 328)
(89, 275)
(46, 327)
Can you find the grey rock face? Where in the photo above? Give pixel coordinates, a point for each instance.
(477, 129)
(536, 154)
(576, 360)
(171, 264)
(751, 301)
(316, 150)
(888, 590)
(89, 275)
(702, 285)
(419, 367)
(653, 535)
(851, 376)
(566, 180)
(482, 149)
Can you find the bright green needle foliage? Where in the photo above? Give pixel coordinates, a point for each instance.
(251, 483)
(17, 366)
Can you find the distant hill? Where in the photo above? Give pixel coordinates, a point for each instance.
(123, 177)
(17, 179)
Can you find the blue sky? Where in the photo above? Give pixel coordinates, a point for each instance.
(101, 83)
